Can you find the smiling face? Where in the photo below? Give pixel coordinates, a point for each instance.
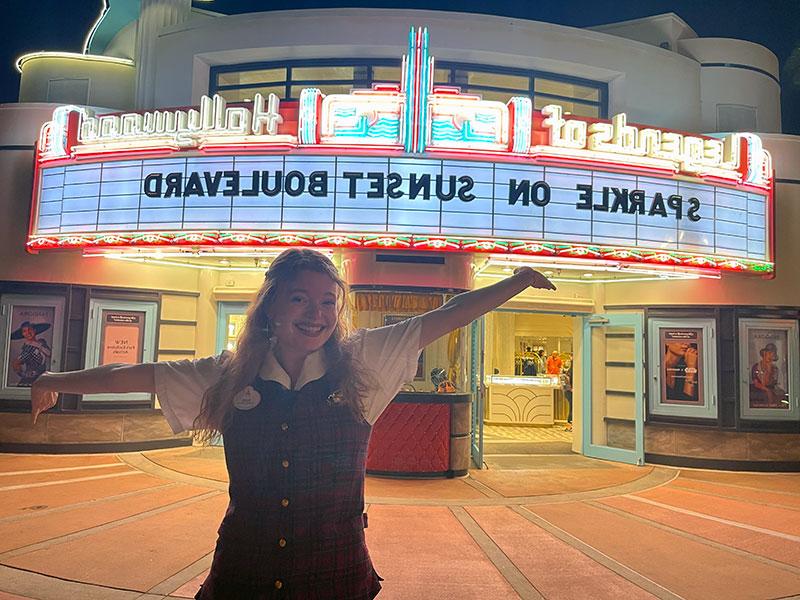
(304, 314)
(29, 333)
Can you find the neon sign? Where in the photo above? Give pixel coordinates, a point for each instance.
(265, 154)
(416, 117)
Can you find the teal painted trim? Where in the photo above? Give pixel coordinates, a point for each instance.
(477, 333)
(115, 16)
(636, 456)
(425, 65)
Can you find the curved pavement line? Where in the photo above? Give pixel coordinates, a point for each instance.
(28, 584)
(655, 478)
(624, 571)
(139, 461)
(698, 538)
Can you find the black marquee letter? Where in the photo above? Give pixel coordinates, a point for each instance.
(152, 185)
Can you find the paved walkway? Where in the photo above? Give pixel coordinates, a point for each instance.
(142, 525)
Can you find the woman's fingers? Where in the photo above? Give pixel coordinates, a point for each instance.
(537, 280)
(41, 400)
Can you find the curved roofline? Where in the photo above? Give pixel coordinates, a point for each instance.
(113, 17)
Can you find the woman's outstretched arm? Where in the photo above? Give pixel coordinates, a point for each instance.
(465, 308)
(116, 378)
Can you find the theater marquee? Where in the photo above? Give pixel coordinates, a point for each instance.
(411, 166)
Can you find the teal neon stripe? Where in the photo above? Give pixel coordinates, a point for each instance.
(423, 93)
(409, 77)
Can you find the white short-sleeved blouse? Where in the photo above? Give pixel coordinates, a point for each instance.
(390, 353)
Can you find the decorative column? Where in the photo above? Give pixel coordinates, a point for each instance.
(154, 15)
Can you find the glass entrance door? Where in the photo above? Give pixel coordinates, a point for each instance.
(478, 388)
(612, 390)
(230, 320)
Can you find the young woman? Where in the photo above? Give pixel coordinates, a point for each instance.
(295, 402)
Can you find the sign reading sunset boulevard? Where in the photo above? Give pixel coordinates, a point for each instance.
(402, 195)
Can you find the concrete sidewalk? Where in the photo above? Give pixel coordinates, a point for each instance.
(142, 525)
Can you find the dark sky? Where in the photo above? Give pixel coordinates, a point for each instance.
(31, 25)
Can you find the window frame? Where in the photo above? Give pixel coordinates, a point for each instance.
(451, 66)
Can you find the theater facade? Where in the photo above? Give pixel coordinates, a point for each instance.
(149, 182)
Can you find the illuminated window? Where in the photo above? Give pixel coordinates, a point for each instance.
(566, 90)
(386, 74)
(577, 109)
(323, 73)
(250, 77)
(327, 89)
(238, 83)
(498, 80)
(246, 94)
(499, 96)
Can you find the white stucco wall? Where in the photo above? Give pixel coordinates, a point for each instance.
(653, 85)
(746, 82)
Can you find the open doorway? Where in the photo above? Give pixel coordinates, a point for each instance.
(528, 370)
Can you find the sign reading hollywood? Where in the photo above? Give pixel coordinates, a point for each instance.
(403, 160)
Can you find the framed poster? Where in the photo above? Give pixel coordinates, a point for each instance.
(391, 320)
(768, 354)
(683, 361)
(31, 331)
(120, 332)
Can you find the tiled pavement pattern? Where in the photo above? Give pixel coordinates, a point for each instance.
(492, 433)
(142, 525)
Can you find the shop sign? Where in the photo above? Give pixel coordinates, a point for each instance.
(405, 160)
(415, 117)
(403, 196)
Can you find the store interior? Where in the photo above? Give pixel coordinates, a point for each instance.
(528, 363)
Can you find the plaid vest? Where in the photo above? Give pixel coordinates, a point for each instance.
(294, 528)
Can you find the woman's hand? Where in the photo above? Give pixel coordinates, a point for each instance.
(42, 396)
(536, 279)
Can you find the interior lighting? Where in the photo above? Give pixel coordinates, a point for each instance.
(172, 262)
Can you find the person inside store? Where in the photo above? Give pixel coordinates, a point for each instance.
(566, 385)
(295, 402)
(529, 363)
(541, 362)
(554, 364)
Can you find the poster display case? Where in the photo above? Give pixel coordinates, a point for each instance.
(768, 369)
(683, 368)
(31, 328)
(124, 332)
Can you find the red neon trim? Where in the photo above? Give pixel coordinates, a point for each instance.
(440, 243)
(36, 193)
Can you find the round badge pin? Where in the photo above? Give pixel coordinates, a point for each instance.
(246, 399)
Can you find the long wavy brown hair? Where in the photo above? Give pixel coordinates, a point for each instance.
(241, 366)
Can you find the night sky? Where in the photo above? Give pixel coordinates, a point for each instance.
(63, 24)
